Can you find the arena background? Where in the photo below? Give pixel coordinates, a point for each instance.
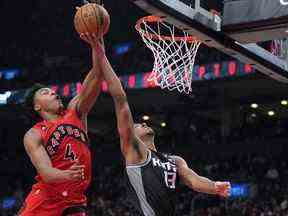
(216, 128)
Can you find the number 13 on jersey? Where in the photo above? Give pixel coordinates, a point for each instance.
(170, 179)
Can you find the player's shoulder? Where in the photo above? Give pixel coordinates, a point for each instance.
(32, 134)
(32, 139)
(73, 106)
(177, 159)
(71, 112)
(40, 127)
(165, 156)
(162, 154)
(73, 103)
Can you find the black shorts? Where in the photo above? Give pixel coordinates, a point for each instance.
(75, 211)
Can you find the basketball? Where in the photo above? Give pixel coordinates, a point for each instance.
(92, 18)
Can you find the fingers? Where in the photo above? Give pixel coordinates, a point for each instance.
(225, 193)
(224, 189)
(77, 167)
(77, 171)
(84, 37)
(90, 38)
(94, 38)
(77, 174)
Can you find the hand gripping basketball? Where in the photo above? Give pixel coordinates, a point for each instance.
(92, 18)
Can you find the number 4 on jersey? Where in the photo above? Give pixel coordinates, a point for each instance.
(69, 154)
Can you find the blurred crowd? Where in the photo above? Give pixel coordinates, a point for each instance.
(266, 175)
(251, 155)
(256, 128)
(255, 154)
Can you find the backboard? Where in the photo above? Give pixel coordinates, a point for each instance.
(190, 16)
(257, 20)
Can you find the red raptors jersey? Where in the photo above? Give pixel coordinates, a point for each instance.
(65, 140)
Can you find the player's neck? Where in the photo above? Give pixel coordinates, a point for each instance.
(150, 143)
(50, 116)
(152, 147)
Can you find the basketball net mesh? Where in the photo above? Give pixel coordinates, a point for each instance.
(174, 56)
(279, 47)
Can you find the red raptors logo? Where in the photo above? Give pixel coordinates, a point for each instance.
(58, 136)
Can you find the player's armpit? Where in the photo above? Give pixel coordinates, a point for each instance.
(134, 152)
(132, 147)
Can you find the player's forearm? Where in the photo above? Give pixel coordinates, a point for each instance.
(112, 80)
(193, 180)
(89, 93)
(100, 61)
(92, 81)
(94, 76)
(203, 185)
(52, 175)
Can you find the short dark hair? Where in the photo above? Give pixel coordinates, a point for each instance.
(29, 99)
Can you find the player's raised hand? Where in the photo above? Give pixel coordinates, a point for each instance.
(223, 188)
(75, 172)
(90, 38)
(94, 42)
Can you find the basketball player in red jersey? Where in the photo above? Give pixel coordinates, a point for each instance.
(57, 147)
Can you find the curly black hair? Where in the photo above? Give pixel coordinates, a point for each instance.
(29, 100)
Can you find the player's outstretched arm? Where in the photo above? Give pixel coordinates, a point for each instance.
(199, 183)
(132, 148)
(91, 85)
(41, 161)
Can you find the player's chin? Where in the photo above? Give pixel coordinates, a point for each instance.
(59, 103)
(60, 107)
(151, 133)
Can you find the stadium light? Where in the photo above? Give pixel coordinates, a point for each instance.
(145, 117)
(4, 97)
(253, 115)
(284, 102)
(163, 124)
(254, 105)
(271, 113)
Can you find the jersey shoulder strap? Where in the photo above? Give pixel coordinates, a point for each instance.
(146, 162)
(42, 128)
(165, 156)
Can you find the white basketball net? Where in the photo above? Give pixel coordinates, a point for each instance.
(174, 56)
(279, 47)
